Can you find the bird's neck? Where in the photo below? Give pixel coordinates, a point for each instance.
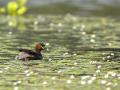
(37, 50)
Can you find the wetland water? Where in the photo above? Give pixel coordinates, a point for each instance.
(65, 65)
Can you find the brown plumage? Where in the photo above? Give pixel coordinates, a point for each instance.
(26, 54)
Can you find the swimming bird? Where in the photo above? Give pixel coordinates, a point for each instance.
(26, 54)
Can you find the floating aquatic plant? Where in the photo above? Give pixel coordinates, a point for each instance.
(14, 8)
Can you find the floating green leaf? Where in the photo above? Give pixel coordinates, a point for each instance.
(21, 10)
(12, 8)
(2, 10)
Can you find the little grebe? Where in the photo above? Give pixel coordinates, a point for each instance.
(26, 54)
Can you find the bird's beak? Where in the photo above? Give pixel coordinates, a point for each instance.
(42, 48)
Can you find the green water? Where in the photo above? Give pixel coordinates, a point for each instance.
(64, 65)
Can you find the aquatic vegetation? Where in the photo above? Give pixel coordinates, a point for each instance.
(14, 8)
(14, 11)
(65, 65)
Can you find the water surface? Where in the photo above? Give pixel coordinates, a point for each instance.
(65, 65)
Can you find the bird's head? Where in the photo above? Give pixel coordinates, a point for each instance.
(39, 47)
